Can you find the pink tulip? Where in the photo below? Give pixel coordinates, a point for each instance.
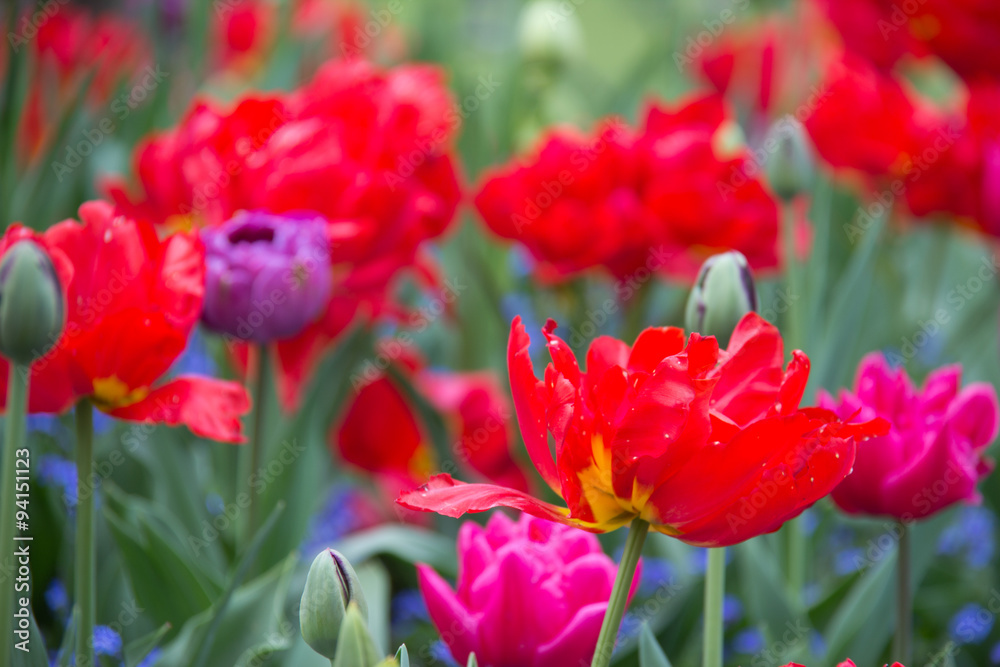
(932, 456)
(530, 594)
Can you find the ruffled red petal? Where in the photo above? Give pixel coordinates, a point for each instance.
(210, 408)
(449, 497)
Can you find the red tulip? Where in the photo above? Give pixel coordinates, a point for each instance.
(382, 432)
(867, 122)
(366, 149)
(663, 198)
(962, 33)
(69, 45)
(132, 301)
(709, 446)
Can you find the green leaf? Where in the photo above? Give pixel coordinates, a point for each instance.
(403, 656)
(766, 594)
(137, 649)
(151, 556)
(650, 653)
(252, 624)
(219, 608)
(413, 545)
(865, 621)
(472, 661)
(378, 593)
(301, 483)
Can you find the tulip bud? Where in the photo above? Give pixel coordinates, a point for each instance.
(32, 305)
(791, 169)
(355, 647)
(549, 33)
(722, 294)
(332, 586)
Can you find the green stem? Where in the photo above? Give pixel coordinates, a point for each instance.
(619, 594)
(797, 546)
(797, 543)
(904, 602)
(84, 571)
(17, 393)
(793, 280)
(250, 454)
(715, 588)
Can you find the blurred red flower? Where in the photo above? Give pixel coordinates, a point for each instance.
(867, 122)
(68, 46)
(965, 34)
(382, 432)
(131, 301)
(241, 33)
(709, 446)
(367, 149)
(663, 198)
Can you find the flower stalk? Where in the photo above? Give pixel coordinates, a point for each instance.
(904, 601)
(17, 392)
(619, 593)
(84, 575)
(250, 454)
(715, 588)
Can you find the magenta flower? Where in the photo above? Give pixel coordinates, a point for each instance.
(267, 276)
(530, 594)
(932, 456)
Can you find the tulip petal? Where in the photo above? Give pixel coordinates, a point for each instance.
(529, 404)
(750, 374)
(576, 643)
(770, 473)
(210, 408)
(446, 611)
(449, 497)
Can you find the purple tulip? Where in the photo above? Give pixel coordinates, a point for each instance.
(267, 276)
(530, 594)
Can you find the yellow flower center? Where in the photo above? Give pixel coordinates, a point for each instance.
(111, 393)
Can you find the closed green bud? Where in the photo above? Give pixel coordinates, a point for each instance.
(355, 646)
(722, 294)
(549, 33)
(332, 586)
(32, 305)
(472, 661)
(791, 169)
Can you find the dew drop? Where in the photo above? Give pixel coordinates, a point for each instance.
(107, 236)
